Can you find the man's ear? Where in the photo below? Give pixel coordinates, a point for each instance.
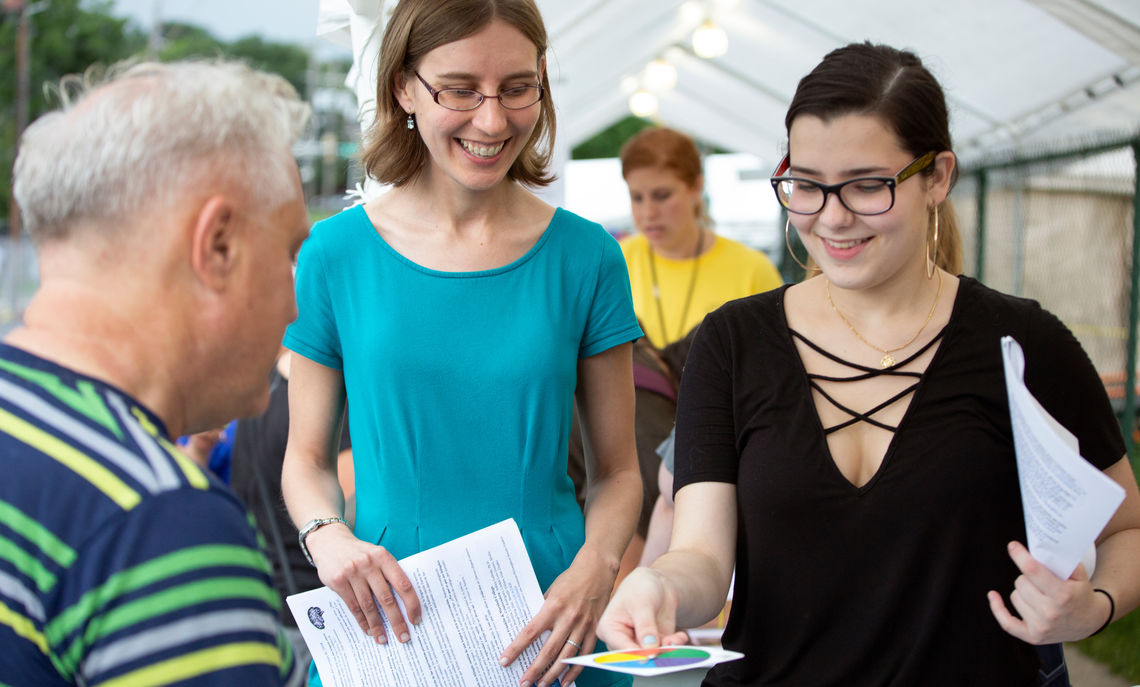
(212, 241)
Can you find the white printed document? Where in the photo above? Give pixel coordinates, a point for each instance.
(1067, 501)
(477, 592)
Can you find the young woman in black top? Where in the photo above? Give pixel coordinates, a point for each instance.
(845, 442)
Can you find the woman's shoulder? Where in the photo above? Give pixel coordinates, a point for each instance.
(736, 249)
(572, 221)
(576, 232)
(339, 229)
(766, 307)
(749, 329)
(984, 304)
(634, 242)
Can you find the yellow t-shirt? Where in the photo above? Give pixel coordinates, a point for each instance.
(727, 271)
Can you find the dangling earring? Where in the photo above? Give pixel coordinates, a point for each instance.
(788, 241)
(411, 121)
(932, 262)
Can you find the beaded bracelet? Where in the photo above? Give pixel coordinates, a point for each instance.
(1111, 611)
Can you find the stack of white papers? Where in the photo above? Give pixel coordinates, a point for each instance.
(1067, 501)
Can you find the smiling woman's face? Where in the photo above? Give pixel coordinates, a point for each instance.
(476, 148)
(859, 251)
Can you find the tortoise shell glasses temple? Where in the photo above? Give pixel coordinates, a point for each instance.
(917, 165)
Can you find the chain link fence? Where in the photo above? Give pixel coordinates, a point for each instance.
(1057, 226)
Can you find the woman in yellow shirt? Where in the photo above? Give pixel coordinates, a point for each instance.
(679, 269)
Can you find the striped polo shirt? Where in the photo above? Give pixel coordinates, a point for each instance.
(122, 563)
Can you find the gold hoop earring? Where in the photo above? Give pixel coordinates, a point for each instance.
(932, 262)
(788, 241)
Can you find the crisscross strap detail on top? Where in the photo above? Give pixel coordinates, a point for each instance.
(865, 373)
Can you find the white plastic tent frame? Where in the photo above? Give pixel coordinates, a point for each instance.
(1018, 73)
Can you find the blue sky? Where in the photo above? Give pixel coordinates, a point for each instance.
(294, 21)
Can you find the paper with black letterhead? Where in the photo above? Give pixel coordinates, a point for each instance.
(477, 592)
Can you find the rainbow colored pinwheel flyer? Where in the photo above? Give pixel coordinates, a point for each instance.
(659, 661)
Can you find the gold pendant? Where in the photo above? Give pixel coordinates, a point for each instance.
(887, 361)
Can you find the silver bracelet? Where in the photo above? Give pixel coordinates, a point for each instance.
(310, 527)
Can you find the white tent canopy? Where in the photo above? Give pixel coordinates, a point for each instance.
(1019, 74)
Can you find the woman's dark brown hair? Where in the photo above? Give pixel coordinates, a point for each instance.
(893, 85)
(395, 155)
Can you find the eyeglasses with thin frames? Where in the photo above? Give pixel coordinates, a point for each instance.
(870, 195)
(464, 99)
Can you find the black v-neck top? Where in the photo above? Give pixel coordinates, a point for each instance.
(883, 584)
(859, 373)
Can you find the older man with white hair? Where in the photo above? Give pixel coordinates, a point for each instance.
(166, 211)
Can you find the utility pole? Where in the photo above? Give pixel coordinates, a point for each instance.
(154, 41)
(10, 256)
(22, 29)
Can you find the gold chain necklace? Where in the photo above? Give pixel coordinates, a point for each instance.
(887, 359)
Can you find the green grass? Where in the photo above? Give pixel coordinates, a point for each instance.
(1118, 647)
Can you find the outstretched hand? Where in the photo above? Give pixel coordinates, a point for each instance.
(642, 614)
(1052, 609)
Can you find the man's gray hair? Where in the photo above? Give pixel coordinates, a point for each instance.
(147, 133)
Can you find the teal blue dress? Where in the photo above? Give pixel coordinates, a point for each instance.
(461, 384)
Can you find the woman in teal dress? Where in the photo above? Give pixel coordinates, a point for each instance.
(462, 316)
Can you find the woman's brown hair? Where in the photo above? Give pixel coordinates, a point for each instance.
(395, 155)
(893, 85)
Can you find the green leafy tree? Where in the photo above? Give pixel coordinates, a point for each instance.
(179, 41)
(288, 60)
(608, 142)
(69, 36)
(65, 37)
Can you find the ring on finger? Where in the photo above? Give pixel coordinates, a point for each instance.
(574, 644)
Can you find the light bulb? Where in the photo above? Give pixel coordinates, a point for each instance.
(643, 104)
(709, 41)
(660, 75)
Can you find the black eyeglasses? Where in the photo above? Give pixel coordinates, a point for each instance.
(463, 99)
(861, 195)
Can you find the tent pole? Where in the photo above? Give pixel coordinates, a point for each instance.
(980, 237)
(1128, 421)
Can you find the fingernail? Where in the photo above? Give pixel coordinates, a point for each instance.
(649, 639)
(416, 620)
(524, 683)
(382, 639)
(405, 637)
(503, 661)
